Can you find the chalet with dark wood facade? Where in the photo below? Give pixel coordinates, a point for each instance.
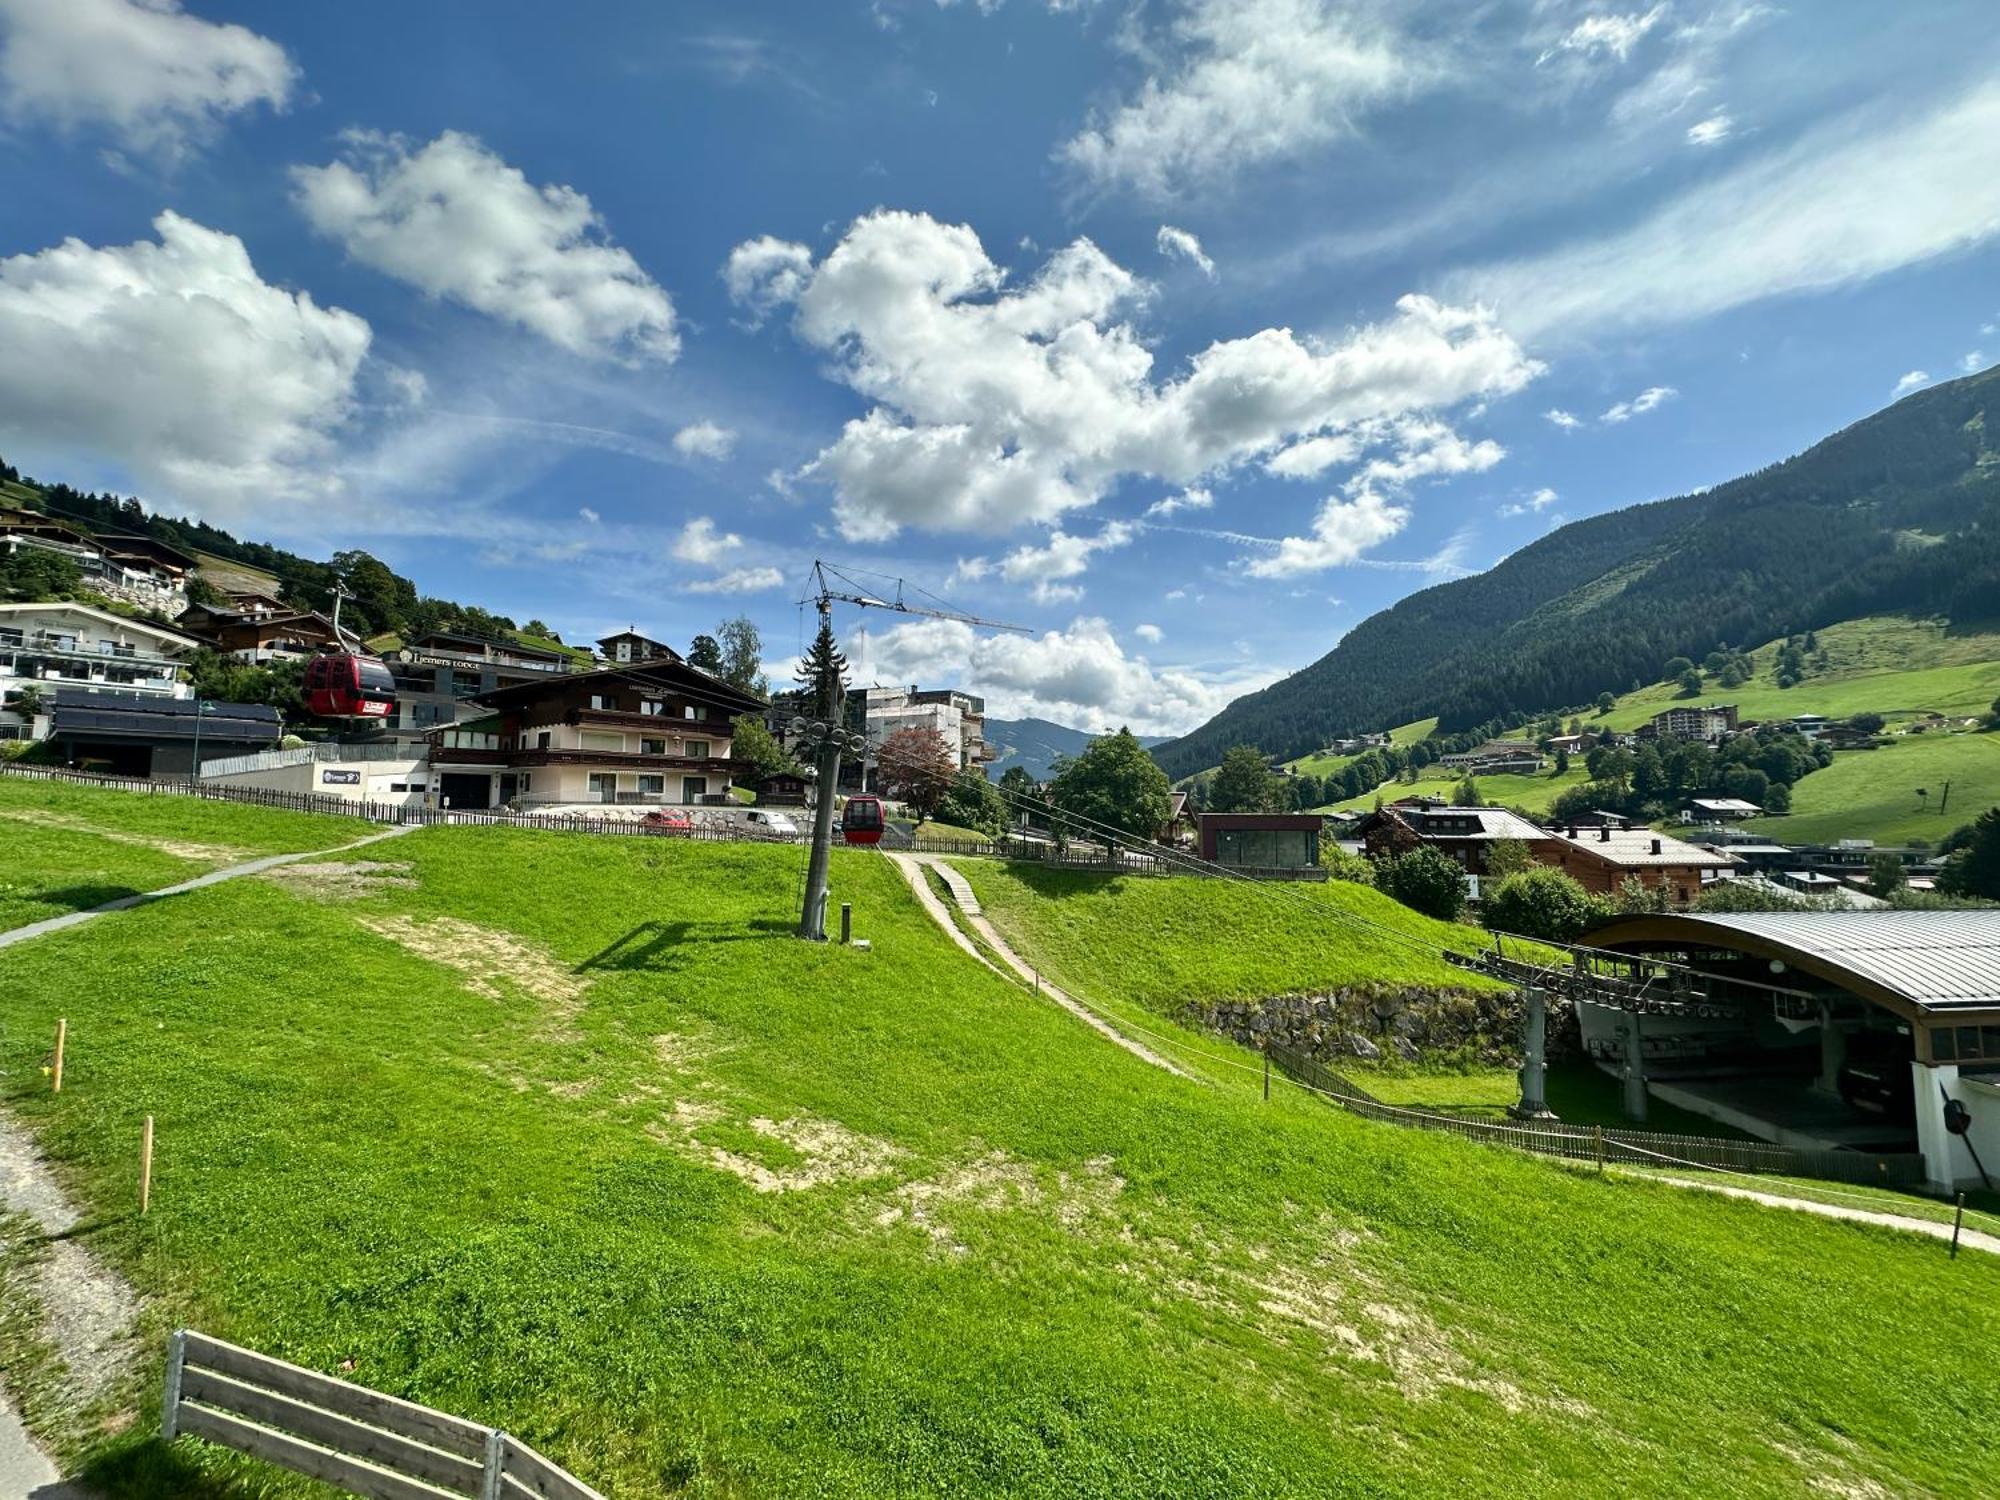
(657, 732)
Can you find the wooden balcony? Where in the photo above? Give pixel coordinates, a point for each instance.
(651, 724)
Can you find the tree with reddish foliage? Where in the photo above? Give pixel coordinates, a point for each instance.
(918, 767)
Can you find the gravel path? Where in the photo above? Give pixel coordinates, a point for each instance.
(213, 877)
(954, 882)
(1969, 1239)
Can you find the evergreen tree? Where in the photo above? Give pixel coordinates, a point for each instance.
(1974, 870)
(823, 674)
(705, 651)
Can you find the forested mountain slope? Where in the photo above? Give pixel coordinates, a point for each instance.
(1901, 511)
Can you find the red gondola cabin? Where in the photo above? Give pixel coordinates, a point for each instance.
(348, 686)
(861, 822)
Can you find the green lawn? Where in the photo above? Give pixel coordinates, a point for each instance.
(489, 1132)
(1402, 734)
(1896, 667)
(1872, 794)
(1531, 793)
(67, 848)
(1576, 1091)
(936, 830)
(1164, 942)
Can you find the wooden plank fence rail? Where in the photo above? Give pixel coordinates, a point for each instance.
(1638, 1148)
(373, 1445)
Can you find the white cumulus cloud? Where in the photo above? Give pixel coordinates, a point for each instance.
(738, 581)
(997, 406)
(156, 77)
(1972, 362)
(1080, 675)
(1911, 380)
(1606, 35)
(766, 274)
(1247, 82)
(177, 360)
(1540, 501)
(1568, 421)
(1645, 401)
(705, 440)
(700, 543)
(1712, 131)
(1152, 634)
(1179, 244)
(455, 221)
(1173, 505)
(1062, 557)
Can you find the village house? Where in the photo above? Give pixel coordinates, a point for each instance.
(1466, 834)
(1602, 860)
(1720, 810)
(1283, 845)
(257, 629)
(1495, 755)
(46, 647)
(1707, 724)
(628, 646)
(438, 672)
(639, 736)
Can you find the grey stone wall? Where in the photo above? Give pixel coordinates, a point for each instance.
(1414, 1024)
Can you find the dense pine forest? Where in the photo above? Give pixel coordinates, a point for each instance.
(1900, 512)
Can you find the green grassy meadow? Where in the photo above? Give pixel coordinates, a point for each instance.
(1899, 668)
(1162, 943)
(1532, 794)
(1873, 793)
(569, 1135)
(57, 854)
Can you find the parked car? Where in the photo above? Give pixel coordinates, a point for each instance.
(668, 822)
(773, 825)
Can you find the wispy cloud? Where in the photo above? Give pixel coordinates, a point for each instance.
(1911, 381)
(1541, 500)
(1644, 402)
(1872, 192)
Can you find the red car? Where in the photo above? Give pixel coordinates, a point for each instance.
(668, 821)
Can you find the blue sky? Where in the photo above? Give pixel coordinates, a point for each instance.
(1186, 333)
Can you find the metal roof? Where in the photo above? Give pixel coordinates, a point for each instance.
(153, 717)
(1642, 846)
(1934, 961)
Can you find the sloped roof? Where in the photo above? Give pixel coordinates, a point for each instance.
(1917, 963)
(1633, 847)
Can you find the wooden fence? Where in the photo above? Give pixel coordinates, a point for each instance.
(1639, 1148)
(344, 1434)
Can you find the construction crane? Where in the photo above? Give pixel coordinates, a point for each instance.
(822, 595)
(828, 737)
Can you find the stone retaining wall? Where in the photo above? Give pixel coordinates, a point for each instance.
(1412, 1023)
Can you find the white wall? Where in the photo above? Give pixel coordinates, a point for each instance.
(372, 780)
(1949, 1164)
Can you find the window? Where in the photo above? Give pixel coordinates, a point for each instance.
(693, 788)
(604, 702)
(688, 712)
(525, 778)
(652, 747)
(1966, 1044)
(604, 786)
(597, 739)
(652, 707)
(652, 786)
(542, 740)
(697, 750)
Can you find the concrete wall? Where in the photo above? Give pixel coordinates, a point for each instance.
(1949, 1164)
(350, 780)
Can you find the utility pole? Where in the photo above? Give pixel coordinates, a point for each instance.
(1944, 798)
(202, 708)
(827, 732)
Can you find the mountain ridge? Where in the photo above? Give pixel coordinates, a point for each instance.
(1898, 511)
(1036, 743)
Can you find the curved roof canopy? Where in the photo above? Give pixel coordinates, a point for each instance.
(1923, 965)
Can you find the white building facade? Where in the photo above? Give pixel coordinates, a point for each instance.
(48, 646)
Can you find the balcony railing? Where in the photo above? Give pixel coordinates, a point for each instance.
(46, 643)
(624, 760)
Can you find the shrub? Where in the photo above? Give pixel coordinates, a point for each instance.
(1340, 865)
(1424, 880)
(1543, 903)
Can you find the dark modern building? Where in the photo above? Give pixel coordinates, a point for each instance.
(140, 734)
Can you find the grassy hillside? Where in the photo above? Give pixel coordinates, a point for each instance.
(1533, 794)
(67, 848)
(1161, 943)
(1899, 668)
(1402, 734)
(570, 1136)
(1872, 794)
(1897, 512)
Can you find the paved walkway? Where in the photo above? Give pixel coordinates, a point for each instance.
(961, 892)
(213, 877)
(24, 1471)
(1969, 1239)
